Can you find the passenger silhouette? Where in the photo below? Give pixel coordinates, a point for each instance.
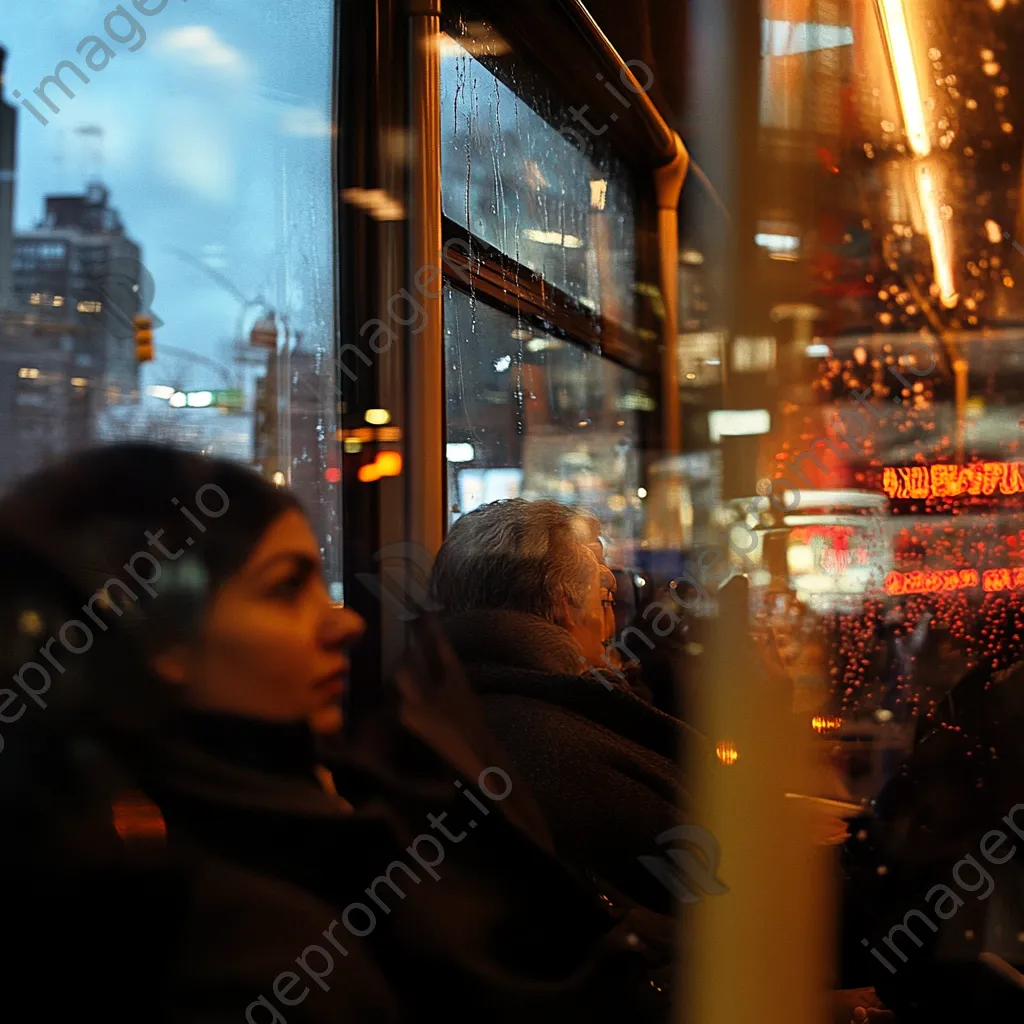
(375, 876)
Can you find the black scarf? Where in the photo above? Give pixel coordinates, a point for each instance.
(284, 749)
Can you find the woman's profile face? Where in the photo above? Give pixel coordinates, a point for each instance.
(272, 645)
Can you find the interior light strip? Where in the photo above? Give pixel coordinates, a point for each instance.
(901, 53)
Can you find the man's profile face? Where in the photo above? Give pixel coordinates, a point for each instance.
(593, 624)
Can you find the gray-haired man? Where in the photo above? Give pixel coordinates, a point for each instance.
(528, 606)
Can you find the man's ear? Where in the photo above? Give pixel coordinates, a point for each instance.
(173, 665)
(564, 616)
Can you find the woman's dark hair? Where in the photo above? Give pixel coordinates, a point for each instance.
(146, 533)
(106, 558)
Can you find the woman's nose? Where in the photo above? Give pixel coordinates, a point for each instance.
(344, 627)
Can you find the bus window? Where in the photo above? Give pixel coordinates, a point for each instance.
(183, 175)
(520, 174)
(546, 212)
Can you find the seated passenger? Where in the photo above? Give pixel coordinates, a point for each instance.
(98, 910)
(411, 867)
(525, 604)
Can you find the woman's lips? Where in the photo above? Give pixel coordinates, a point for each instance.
(333, 685)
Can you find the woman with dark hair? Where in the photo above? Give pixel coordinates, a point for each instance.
(410, 869)
(98, 911)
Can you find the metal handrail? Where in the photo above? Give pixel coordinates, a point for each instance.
(662, 136)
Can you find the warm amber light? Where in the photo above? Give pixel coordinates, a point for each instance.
(386, 464)
(826, 724)
(942, 260)
(136, 818)
(727, 753)
(389, 463)
(994, 580)
(901, 54)
(926, 581)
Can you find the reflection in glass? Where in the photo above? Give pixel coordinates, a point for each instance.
(513, 173)
(534, 416)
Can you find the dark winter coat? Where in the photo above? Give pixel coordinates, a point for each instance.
(601, 763)
(443, 904)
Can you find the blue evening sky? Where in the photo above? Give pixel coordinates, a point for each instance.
(215, 142)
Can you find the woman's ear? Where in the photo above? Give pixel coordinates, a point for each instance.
(172, 665)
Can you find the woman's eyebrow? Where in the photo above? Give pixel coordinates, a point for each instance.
(299, 558)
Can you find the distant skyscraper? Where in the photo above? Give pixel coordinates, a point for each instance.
(66, 337)
(8, 161)
(78, 267)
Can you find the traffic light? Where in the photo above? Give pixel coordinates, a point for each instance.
(143, 339)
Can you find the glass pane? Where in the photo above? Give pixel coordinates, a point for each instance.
(898, 438)
(172, 161)
(534, 416)
(527, 178)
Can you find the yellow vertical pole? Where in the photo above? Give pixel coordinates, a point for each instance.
(762, 951)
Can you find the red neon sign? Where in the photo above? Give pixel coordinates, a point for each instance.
(994, 580)
(948, 481)
(939, 581)
(928, 581)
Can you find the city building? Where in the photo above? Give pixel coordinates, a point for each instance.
(78, 267)
(8, 161)
(66, 334)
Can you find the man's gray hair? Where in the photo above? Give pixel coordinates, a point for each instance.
(518, 555)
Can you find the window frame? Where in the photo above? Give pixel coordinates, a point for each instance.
(499, 277)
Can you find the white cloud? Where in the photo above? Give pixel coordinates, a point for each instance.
(200, 45)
